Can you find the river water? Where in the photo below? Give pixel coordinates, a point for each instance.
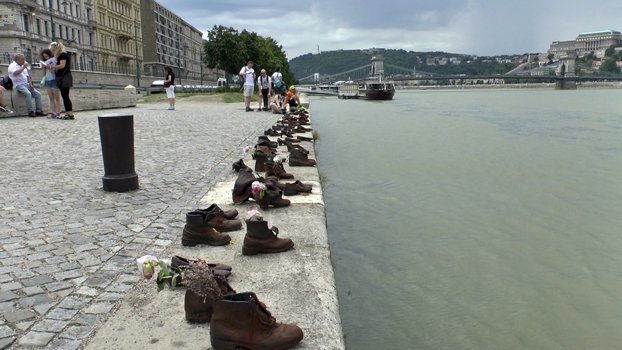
(476, 219)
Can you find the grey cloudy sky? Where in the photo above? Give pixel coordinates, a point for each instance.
(481, 27)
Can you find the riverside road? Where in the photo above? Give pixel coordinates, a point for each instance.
(67, 248)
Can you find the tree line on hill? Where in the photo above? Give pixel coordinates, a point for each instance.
(230, 50)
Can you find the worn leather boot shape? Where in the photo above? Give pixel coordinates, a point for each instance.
(241, 320)
(239, 165)
(261, 239)
(179, 264)
(290, 189)
(229, 214)
(273, 183)
(198, 231)
(300, 128)
(266, 142)
(278, 171)
(221, 224)
(303, 138)
(299, 158)
(242, 190)
(199, 309)
(271, 198)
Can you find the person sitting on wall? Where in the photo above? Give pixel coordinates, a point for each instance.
(18, 72)
(292, 102)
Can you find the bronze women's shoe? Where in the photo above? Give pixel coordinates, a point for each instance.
(242, 320)
(298, 158)
(239, 165)
(199, 300)
(229, 214)
(242, 188)
(277, 170)
(261, 239)
(290, 189)
(198, 231)
(271, 198)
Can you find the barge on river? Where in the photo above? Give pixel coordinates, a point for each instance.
(368, 90)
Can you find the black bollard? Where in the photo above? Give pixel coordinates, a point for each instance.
(117, 138)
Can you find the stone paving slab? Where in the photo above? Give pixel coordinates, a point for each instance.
(67, 247)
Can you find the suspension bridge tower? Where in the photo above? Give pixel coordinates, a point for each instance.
(377, 67)
(565, 73)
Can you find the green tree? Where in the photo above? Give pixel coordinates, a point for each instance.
(550, 58)
(610, 66)
(224, 50)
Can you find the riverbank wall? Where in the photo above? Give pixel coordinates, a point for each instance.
(297, 286)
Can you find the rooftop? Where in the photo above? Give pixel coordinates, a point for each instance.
(600, 32)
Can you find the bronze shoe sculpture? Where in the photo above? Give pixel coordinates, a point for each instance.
(268, 198)
(273, 183)
(242, 188)
(277, 170)
(217, 221)
(241, 320)
(239, 165)
(229, 214)
(261, 239)
(299, 158)
(266, 142)
(202, 289)
(303, 138)
(179, 263)
(198, 231)
(290, 189)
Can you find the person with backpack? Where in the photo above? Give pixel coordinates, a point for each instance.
(263, 82)
(279, 84)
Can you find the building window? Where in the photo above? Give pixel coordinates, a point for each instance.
(45, 26)
(90, 38)
(26, 22)
(88, 13)
(77, 11)
(67, 33)
(70, 9)
(60, 31)
(79, 36)
(73, 33)
(38, 26)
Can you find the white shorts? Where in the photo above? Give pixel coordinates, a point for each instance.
(249, 90)
(170, 91)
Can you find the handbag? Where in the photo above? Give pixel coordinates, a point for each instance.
(59, 82)
(167, 84)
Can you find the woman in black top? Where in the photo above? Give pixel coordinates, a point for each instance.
(169, 87)
(64, 79)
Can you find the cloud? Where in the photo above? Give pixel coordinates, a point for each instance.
(483, 27)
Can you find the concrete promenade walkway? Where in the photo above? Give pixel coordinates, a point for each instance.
(68, 249)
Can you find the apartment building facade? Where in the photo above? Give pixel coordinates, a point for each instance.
(119, 35)
(29, 26)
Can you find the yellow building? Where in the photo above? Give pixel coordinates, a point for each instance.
(119, 35)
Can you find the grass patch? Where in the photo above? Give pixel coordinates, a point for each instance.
(73, 323)
(161, 97)
(129, 283)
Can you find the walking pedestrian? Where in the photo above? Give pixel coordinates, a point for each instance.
(263, 82)
(169, 87)
(277, 79)
(248, 74)
(18, 72)
(50, 83)
(64, 79)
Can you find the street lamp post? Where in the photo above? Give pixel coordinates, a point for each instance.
(137, 65)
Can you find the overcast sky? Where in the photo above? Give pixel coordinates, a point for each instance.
(480, 27)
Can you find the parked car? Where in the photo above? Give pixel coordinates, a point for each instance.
(158, 83)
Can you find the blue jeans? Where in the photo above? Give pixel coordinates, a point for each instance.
(29, 95)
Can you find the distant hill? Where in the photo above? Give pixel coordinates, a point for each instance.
(333, 62)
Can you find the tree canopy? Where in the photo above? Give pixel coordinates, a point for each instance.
(230, 50)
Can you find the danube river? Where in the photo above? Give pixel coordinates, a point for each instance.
(488, 219)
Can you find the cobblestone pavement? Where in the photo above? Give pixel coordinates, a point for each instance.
(67, 248)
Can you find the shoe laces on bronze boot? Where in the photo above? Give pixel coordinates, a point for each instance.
(241, 320)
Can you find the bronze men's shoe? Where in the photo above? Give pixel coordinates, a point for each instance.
(241, 320)
(290, 189)
(261, 239)
(273, 183)
(198, 231)
(298, 158)
(221, 224)
(271, 198)
(303, 138)
(229, 214)
(200, 308)
(239, 165)
(266, 142)
(179, 263)
(277, 170)
(242, 188)
(260, 159)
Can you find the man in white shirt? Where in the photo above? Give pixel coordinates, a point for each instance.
(277, 78)
(248, 74)
(18, 72)
(264, 86)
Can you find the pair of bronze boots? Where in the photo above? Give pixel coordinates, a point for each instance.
(205, 226)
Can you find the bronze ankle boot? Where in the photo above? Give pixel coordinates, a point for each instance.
(277, 170)
(298, 158)
(229, 214)
(261, 239)
(273, 183)
(217, 221)
(242, 188)
(290, 189)
(241, 320)
(239, 165)
(271, 198)
(199, 303)
(198, 231)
